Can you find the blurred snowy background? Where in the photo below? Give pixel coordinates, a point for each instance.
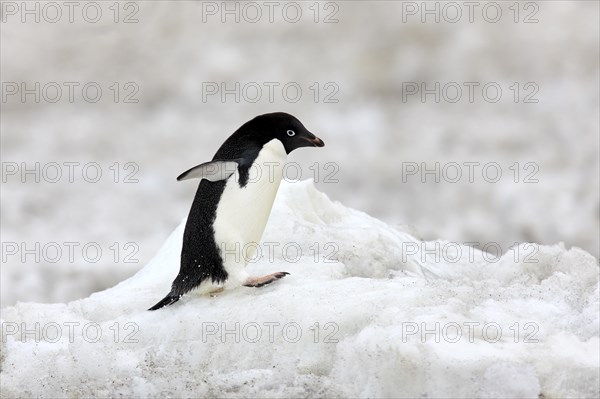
(368, 58)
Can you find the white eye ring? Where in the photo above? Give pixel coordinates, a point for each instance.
(291, 133)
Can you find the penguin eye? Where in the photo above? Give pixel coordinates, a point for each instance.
(291, 133)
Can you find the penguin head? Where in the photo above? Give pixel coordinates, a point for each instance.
(286, 128)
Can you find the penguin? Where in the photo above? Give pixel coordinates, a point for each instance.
(233, 203)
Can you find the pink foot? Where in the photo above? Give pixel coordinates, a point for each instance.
(260, 281)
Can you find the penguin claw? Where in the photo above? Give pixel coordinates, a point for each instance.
(256, 282)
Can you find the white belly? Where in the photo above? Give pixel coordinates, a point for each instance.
(242, 213)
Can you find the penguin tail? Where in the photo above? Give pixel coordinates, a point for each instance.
(166, 301)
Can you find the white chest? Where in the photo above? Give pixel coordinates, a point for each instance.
(243, 212)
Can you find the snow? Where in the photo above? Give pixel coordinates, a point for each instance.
(368, 317)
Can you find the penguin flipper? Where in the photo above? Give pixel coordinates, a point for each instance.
(166, 301)
(212, 171)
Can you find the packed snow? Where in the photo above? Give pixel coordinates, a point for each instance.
(368, 310)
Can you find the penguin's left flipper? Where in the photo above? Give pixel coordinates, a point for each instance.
(264, 280)
(212, 171)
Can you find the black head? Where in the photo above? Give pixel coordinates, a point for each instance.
(284, 127)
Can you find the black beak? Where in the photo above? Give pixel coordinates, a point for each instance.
(315, 141)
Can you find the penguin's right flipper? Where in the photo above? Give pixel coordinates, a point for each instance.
(212, 171)
(166, 301)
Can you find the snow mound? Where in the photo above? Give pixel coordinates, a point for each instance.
(368, 311)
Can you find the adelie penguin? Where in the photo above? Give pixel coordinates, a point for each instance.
(233, 203)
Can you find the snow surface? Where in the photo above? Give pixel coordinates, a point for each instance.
(373, 295)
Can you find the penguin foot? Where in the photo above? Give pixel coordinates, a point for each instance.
(260, 281)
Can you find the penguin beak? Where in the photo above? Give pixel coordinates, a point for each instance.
(315, 141)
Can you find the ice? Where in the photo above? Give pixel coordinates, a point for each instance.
(368, 317)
